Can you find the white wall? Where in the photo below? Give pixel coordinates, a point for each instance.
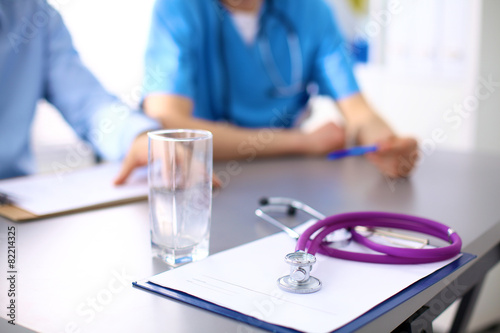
(111, 37)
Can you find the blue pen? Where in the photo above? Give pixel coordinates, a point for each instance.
(354, 151)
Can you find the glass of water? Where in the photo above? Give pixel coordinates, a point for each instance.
(180, 194)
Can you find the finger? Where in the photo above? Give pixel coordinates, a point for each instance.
(216, 182)
(392, 166)
(128, 165)
(406, 144)
(396, 145)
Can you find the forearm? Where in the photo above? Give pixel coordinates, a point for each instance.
(230, 142)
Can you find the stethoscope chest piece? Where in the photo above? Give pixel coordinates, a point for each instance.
(300, 281)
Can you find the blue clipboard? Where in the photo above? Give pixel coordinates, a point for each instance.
(359, 322)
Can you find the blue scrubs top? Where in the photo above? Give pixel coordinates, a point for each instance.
(200, 54)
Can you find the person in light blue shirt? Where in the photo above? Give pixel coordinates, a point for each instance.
(38, 61)
(245, 71)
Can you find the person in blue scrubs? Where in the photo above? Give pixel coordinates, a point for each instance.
(244, 70)
(38, 61)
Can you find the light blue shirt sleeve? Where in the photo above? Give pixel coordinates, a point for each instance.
(171, 48)
(96, 115)
(38, 60)
(333, 70)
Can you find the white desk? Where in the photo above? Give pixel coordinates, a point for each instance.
(75, 271)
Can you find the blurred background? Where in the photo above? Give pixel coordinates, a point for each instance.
(430, 67)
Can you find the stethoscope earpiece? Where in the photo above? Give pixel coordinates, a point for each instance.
(291, 210)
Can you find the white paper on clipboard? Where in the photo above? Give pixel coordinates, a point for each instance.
(51, 194)
(243, 279)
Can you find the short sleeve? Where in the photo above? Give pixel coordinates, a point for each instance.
(333, 70)
(170, 51)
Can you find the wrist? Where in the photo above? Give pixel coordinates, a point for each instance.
(371, 131)
(299, 143)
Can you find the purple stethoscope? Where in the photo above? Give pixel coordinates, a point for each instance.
(330, 234)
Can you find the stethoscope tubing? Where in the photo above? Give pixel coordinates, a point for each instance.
(296, 66)
(389, 254)
(280, 87)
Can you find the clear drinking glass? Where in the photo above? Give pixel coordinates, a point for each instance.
(180, 194)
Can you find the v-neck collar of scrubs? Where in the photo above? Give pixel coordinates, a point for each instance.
(247, 25)
(234, 29)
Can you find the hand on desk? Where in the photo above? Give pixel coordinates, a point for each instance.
(395, 157)
(137, 156)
